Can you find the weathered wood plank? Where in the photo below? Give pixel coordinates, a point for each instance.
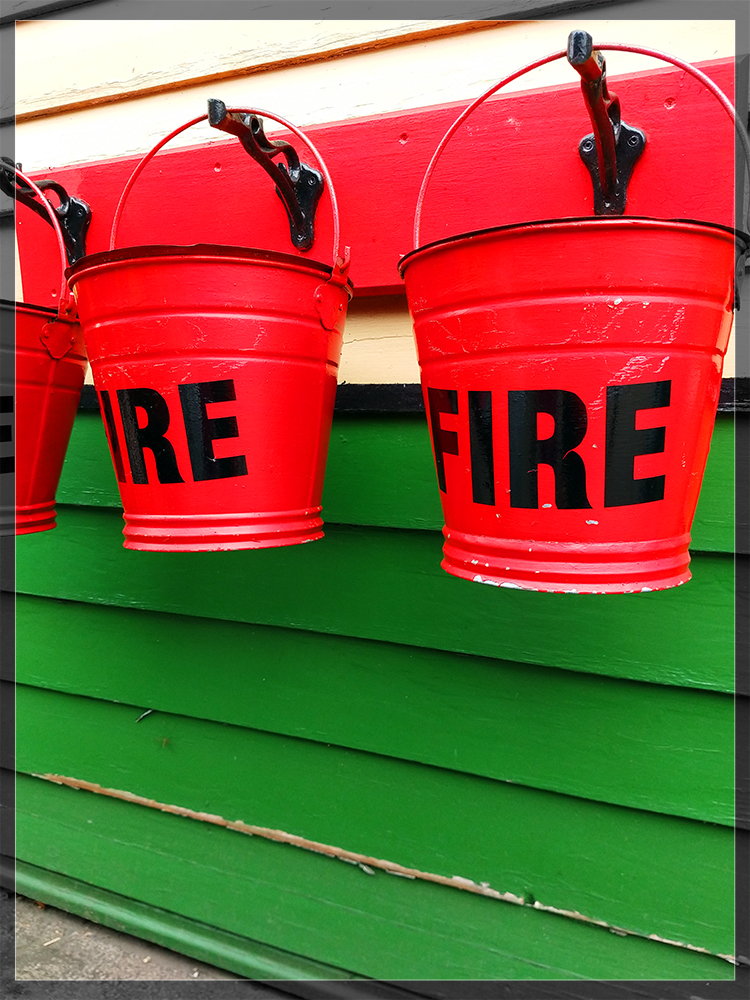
(668, 750)
(582, 855)
(378, 925)
(328, 84)
(117, 60)
(388, 585)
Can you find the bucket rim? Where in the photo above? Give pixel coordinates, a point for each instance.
(166, 250)
(739, 235)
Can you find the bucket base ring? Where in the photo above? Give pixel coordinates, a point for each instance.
(221, 532)
(568, 567)
(31, 518)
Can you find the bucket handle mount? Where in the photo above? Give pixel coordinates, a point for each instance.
(73, 214)
(579, 59)
(297, 186)
(56, 338)
(612, 150)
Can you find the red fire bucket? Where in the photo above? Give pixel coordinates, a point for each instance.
(50, 366)
(571, 372)
(216, 369)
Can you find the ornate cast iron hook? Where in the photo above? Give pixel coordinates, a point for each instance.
(73, 214)
(612, 150)
(298, 185)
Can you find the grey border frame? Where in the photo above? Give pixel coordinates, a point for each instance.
(10, 10)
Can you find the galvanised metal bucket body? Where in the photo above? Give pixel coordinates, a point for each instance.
(44, 374)
(216, 379)
(571, 372)
(216, 367)
(50, 366)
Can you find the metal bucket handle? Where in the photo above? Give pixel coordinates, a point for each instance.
(705, 80)
(66, 307)
(340, 260)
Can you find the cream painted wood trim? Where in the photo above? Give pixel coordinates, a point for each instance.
(409, 75)
(117, 60)
(378, 342)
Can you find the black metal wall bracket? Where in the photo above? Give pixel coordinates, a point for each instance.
(298, 185)
(73, 214)
(630, 144)
(611, 151)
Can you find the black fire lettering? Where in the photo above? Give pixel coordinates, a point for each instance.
(443, 442)
(526, 451)
(151, 436)
(202, 431)
(624, 442)
(480, 438)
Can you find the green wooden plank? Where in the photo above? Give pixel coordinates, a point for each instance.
(388, 585)
(380, 472)
(583, 856)
(713, 526)
(667, 750)
(169, 930)
(87, 475)
(321, 908)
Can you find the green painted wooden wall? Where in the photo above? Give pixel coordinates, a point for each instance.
(574, 752)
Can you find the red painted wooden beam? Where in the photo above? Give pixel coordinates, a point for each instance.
(516, 159)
